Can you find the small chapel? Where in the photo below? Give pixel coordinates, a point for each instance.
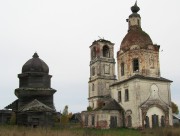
(139, 97)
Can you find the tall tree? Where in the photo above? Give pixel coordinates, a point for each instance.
(174, 108)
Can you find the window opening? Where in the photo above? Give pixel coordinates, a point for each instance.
(106, 51)
(126, 95)
(119, 96)
(122, 69)
(86, 120)
(135, 65)
(162, 121)
(147, 122)
(93, 71)
(94, 53)
(93, 120)
(92, 87)
(129, 121)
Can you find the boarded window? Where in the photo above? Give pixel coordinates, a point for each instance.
(126, 95)
(106, 52)
(135, 65)
(107, 85)
(122, 69)
(119, 96)
(106, 69)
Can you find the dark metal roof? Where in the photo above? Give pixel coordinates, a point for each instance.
(143, 77)
(112, 105)
(35, 65)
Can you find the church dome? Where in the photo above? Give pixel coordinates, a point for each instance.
(135, 36)
(35, 65)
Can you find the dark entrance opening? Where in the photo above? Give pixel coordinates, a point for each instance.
(113, 122)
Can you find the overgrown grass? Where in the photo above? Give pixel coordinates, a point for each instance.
(28, 131)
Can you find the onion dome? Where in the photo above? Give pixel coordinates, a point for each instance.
(35, 65)
(135, 8)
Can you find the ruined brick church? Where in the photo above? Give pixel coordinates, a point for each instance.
(140, 97)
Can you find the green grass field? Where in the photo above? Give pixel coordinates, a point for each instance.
(27, 131)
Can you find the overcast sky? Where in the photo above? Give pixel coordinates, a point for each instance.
(61, 31)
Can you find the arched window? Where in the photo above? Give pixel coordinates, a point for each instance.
(106, 52)
(135, 65)
(122, 69)
(93, 53)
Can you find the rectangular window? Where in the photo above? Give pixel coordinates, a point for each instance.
(119, 96)
(93, 86)
(126, 95)
(93, 120)
(135, 65)
(122, 69)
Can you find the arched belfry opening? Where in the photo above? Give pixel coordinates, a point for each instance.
(106, 52)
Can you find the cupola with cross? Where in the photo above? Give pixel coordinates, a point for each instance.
(137, 54)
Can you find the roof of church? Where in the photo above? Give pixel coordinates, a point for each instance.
(143, 77)
(13, 105)
(35, 65)
(135, 35)
(109, 104)
(102, 40)
(36, 105)
(112, 105)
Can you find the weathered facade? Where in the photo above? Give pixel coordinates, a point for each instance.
(140, 90)
(34, 105)
(102, 71)
(5, 116)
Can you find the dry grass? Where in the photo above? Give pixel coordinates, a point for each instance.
(171, 131)
(27, 131)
